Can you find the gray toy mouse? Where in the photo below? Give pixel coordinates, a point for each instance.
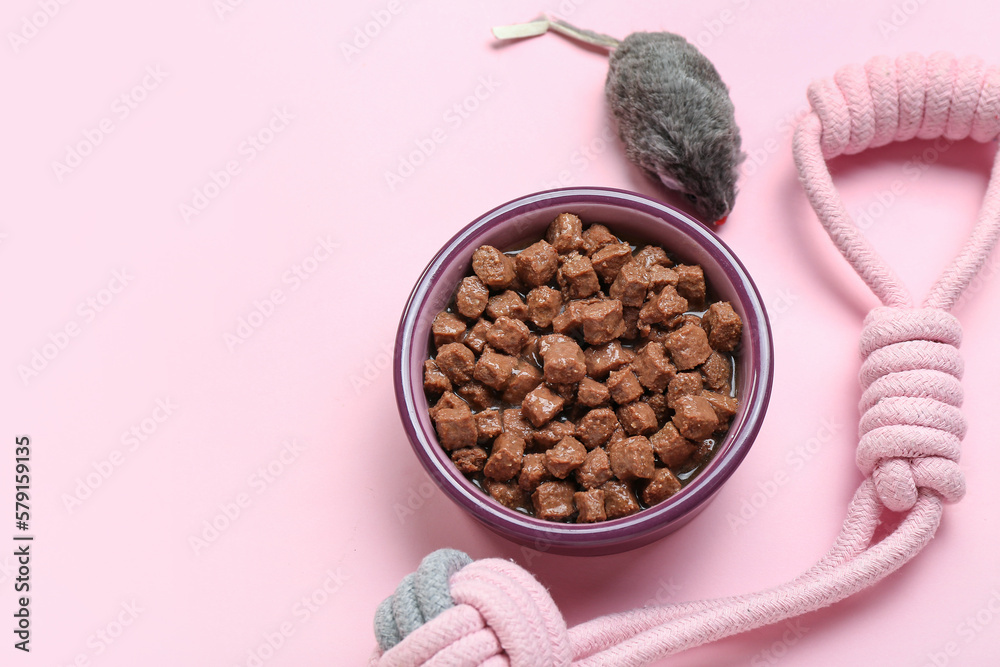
(673, 112)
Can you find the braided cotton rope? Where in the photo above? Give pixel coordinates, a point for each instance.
(491, 612)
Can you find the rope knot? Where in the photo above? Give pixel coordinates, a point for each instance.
(458, 611)
(911, 426)
(885, 100)
(420, 597)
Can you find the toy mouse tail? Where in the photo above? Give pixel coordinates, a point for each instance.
(545, 23)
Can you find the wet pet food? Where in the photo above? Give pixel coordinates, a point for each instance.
(582, 378)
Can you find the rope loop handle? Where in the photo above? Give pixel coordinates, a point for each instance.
(492, 613)
(897, 100)
(911, 427)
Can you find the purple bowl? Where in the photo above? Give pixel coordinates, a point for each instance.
(632, 216)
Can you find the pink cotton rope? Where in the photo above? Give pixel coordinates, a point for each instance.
(910, 430)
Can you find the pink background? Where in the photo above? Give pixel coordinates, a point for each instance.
(348, 511)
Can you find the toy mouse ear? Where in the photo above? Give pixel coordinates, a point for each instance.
(543, 24)
(669, 181)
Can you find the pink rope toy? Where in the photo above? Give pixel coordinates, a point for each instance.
(492, 612)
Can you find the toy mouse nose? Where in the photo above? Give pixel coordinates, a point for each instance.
(721, 220)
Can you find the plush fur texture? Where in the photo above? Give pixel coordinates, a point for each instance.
(676, 119)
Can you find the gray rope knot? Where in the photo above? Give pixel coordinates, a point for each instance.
(420, 596)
